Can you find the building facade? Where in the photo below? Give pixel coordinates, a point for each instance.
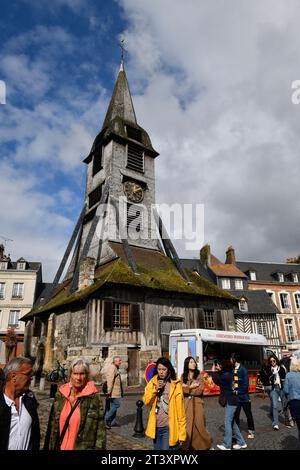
(282, 283)
(19, 284)
(255, 312)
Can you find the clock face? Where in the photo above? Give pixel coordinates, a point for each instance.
(133, 191)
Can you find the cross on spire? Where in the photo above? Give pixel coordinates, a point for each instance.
(123, 50)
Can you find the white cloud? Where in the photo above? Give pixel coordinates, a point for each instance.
(216, 99)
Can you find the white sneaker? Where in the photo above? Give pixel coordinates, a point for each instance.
(251, 435)
(222, 447)
(276, 427)
(239, 446)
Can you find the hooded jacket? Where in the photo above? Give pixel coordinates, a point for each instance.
(86, 428)
(176, 412)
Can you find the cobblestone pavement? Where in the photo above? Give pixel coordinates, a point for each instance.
(121, 438)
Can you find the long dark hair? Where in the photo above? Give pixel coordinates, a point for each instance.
(166, 363)
(273, 357)
(186, 369)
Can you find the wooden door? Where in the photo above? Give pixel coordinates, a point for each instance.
(133, 377)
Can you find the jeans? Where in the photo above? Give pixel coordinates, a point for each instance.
(276, 393)
(246, 405)
(161, 441)
(231, 428)
(295, 412)
(112, 413)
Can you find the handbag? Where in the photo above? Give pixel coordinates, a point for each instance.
(222, 400)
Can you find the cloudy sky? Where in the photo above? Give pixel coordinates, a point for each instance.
(211, 82)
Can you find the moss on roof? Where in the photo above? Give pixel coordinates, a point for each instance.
(158, 273)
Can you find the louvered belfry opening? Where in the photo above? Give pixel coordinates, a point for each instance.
(134, 133)
(135, 158)
(95, 196)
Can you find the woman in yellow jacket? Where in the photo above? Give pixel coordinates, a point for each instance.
(167, 421)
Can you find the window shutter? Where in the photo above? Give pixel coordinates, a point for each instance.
(108, 315)
(135, 317)
(219, 322)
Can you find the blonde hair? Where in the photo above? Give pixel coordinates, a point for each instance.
(295, 365)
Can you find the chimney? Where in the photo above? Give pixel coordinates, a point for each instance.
(1, 251)
(86, 273)
(205, 256)
(230, 256)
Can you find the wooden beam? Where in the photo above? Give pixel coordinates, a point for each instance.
(88, 241)
(69, 248)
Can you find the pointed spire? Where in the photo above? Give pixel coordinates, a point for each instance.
(121, 103)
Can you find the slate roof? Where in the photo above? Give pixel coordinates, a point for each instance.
(156, 271)
(120, 113)
(266, 271)
(196, 265)
(30, 266)
(258, 301)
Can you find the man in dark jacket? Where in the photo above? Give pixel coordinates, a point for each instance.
(19, 429)
(241, 386)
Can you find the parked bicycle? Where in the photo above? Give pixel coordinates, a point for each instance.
(58, 374)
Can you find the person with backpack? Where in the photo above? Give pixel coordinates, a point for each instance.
(114, 392)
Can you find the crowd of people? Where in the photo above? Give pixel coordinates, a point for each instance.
(78, 420)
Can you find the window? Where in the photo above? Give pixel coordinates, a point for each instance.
(134, 218)
(262, 328)
(289, 330)
(95, 196)
(97, 161)
(21, 266)
(280, 277)
(284, 299)
(243, 306)
(13, 320)
(18, 290)
(225, 283)
(295, 277)
(3, 265)
(2, 289)
(272, 296)
(297, 300)
(121, 316)
(135, 158)
(209, 319)
(252, 275)
(238, 284)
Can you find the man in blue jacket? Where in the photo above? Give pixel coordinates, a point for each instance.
(241, 386)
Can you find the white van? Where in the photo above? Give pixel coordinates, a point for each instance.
(207, 346)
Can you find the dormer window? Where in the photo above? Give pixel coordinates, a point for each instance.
(225, 283)
(134, 133)
(243, 305)
(21, 266)
(295, 277)
(280, 277)
(252, 275)
(3, 265)
(238, 284)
